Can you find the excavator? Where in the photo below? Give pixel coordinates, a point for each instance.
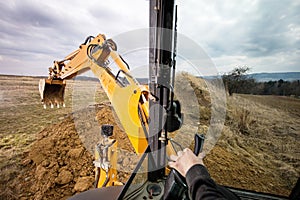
(147, 113)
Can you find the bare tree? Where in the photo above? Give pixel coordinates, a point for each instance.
(237, 81)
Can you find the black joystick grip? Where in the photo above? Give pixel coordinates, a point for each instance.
(199, 141)
(107, 130)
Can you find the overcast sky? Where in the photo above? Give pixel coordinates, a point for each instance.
(262, 34)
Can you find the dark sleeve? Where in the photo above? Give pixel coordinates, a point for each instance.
(201, 186)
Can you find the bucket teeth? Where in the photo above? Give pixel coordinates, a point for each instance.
(53, 105)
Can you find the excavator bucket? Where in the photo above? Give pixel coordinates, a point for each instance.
(52, 92)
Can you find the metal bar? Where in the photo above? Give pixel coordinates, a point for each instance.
(160, 64)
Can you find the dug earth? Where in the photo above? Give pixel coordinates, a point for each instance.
(58, 165)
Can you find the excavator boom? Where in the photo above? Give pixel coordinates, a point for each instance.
(94, 55)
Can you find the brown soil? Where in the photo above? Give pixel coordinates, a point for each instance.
(58, 164)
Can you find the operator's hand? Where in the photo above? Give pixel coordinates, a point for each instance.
(185, 160)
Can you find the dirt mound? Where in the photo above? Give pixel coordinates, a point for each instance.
(257, 148)
(59, 164)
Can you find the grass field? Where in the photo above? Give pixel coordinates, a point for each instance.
(23, 116)
(258, 149)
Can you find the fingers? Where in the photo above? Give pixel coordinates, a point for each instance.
(184, 155)
(179, 153)
(172, 164)
(173, 158)
(184, 160)
(186, 152)
(202, 155)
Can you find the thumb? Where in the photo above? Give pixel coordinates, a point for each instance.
(171, 164)
(202, 155)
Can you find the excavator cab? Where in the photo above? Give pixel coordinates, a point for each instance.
(52, 92)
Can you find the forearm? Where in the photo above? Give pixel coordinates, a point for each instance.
(201, 186)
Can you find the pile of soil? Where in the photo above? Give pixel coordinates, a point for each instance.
(60, 164)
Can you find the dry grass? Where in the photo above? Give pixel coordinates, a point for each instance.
(263, 136)
(23, 116)
(258, 149)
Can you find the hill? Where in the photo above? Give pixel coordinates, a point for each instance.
(265, 77)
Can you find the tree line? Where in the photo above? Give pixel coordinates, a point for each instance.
(238, 81)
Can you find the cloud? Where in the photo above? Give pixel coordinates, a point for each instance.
(270, 31)
(249, 32)
(257, 33)
(34, 33)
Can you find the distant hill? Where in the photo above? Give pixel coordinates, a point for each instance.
(259, 77)
(265, 77)
(82, 78)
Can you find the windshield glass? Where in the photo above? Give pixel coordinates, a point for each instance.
(251, 124)
(256, 148)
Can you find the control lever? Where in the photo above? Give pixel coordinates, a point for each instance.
(176, 186)
(199, 142)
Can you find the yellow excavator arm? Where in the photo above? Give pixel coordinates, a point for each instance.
(128, 98)
(93, 55)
